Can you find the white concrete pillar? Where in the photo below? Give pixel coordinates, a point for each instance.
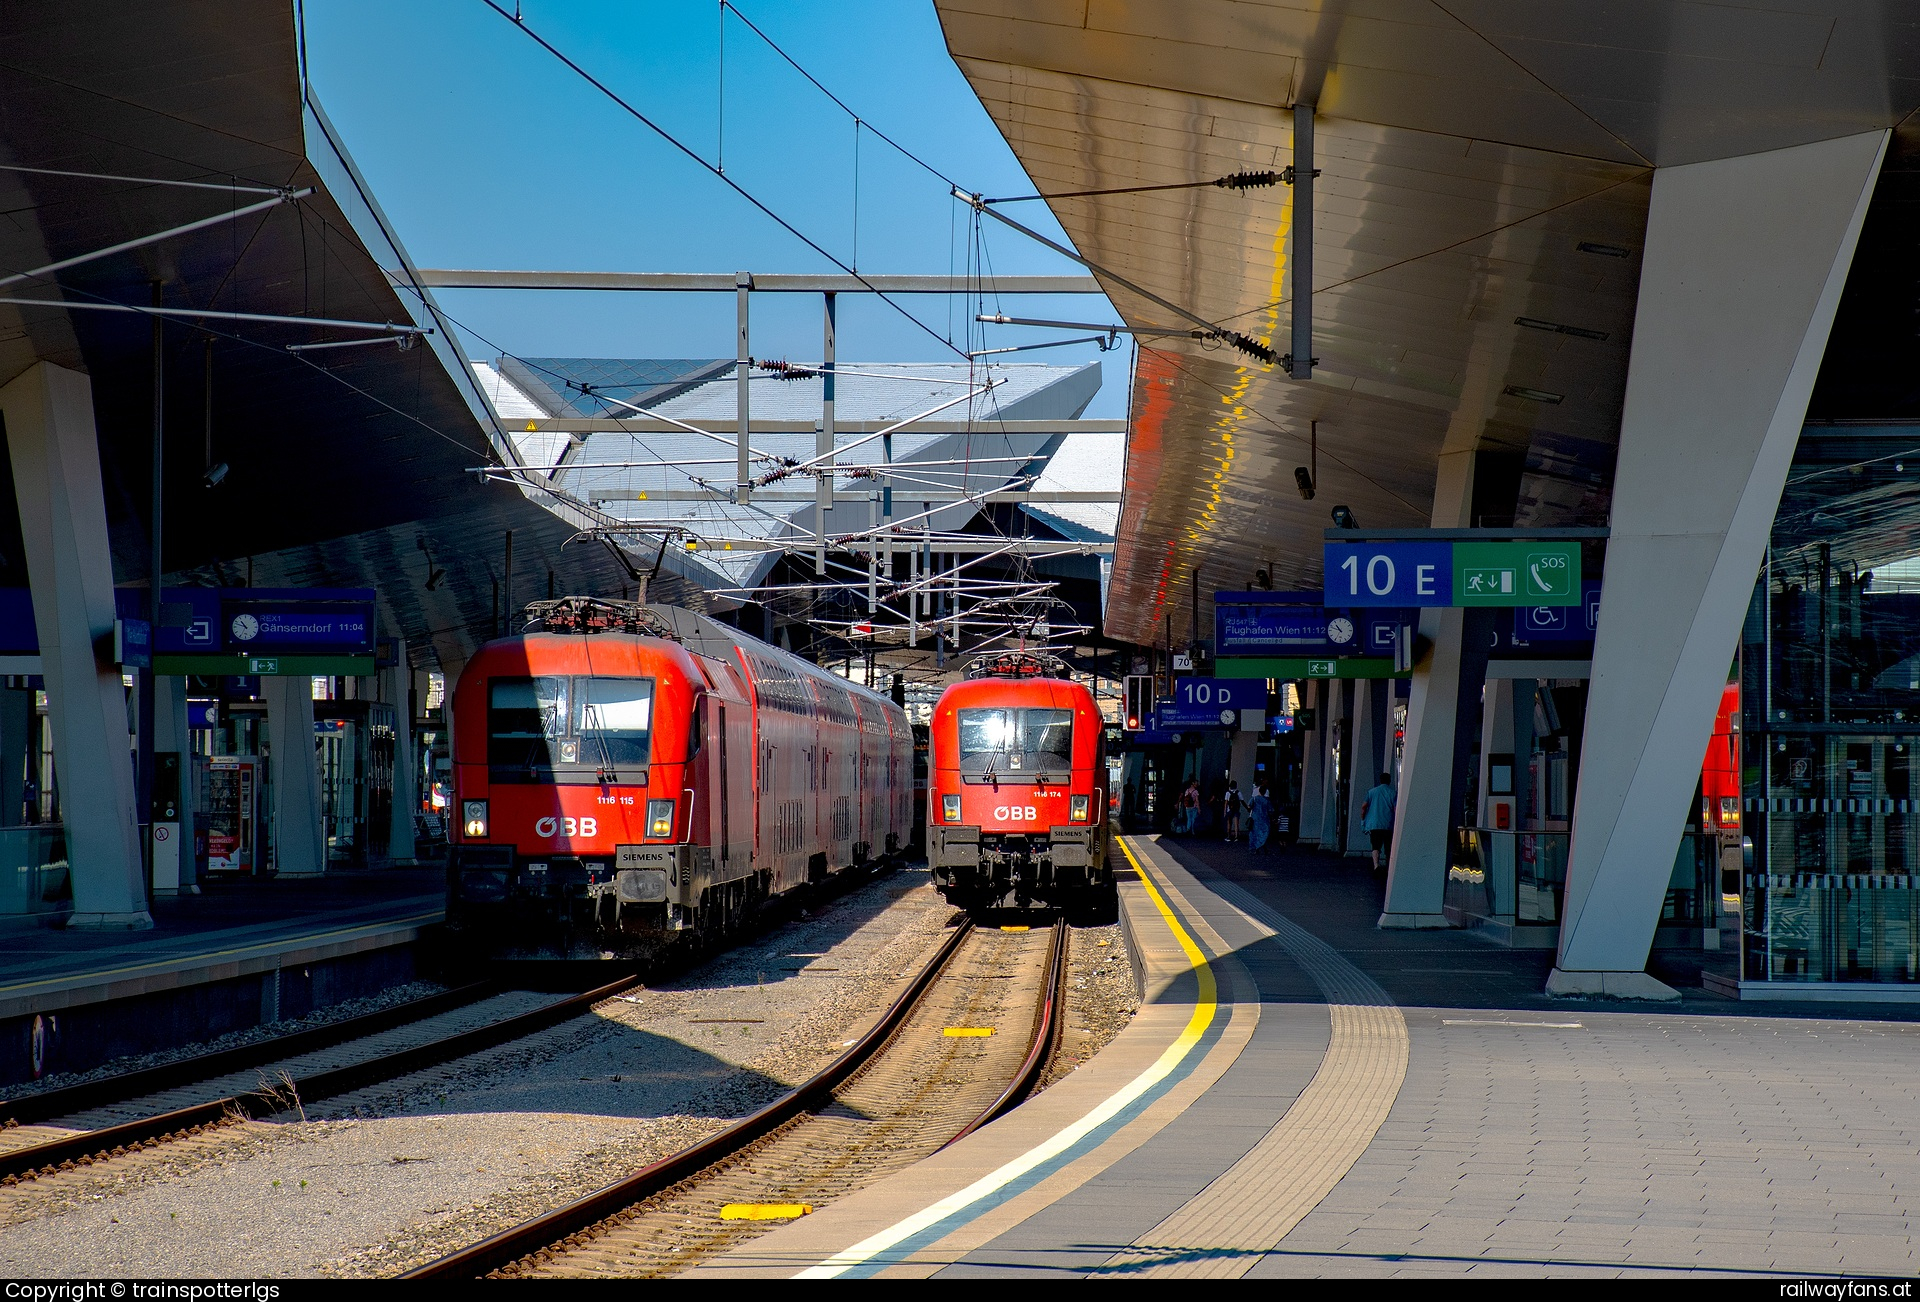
(1364, 738)
(1313, 766)
(1423, 817)
(48, 417)
(299, 841)
(395, 683)
(1745, 262)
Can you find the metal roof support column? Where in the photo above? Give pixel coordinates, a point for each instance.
(55, 455)
(742, 286)
(143, 753)
(1302, 367)
(396, 688)
(823, 442)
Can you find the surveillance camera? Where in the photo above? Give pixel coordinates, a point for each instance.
(1343, 518)
(215, 473)
(1263, 579)
(1305, 480)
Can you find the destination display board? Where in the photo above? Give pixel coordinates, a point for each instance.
(227, 631)
(1269, 624)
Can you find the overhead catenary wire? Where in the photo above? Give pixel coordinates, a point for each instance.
(726, 180)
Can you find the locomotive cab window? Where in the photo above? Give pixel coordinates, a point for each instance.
(537, 727)
(1009, 742)
(613, 718)
(526, 719)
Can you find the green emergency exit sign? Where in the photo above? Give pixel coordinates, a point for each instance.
(1516, 574)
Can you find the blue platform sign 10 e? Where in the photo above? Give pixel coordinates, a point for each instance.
(1389, 574)
(1453, 574)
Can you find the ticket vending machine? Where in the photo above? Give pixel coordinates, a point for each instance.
(233, 817)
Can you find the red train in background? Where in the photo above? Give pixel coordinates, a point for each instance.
(1017, 801)
(624, 772)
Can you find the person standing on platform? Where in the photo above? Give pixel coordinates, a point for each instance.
(1376, 815)
(1230, 811)
(1259, 817)
(1189, 813)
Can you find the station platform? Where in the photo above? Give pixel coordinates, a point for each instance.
(1304, 1095)
(211, 963)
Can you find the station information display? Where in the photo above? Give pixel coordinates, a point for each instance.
(1441, 573)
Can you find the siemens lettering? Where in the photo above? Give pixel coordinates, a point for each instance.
(1389, 574)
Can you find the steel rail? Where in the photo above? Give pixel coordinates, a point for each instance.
(529, 1237)
(1046, 1032)
(145, 1131)
(120, 1088)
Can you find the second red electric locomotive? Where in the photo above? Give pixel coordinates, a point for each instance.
(1017, 790)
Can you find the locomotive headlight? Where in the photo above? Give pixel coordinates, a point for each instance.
(474, 815)
(950, 808)
(1081, 806)
(660, 818)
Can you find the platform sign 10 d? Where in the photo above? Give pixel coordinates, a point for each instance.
(1453, 574)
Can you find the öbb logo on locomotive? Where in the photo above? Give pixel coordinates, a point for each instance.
(1016, 813)
(547, 827)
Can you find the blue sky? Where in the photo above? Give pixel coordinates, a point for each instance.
(486, 152)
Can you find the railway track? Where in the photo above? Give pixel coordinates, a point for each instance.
(95, 1105)
(965, 1042)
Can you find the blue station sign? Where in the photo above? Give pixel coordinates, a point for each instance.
(1418, 573)
(1209, 703)
(226, 630)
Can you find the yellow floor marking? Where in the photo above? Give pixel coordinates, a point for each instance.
(1016, 928)
(1205, 1008)
(968, 1030)
(764, 1211)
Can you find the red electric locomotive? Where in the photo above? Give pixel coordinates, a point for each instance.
(1017, 799)
(622, 772)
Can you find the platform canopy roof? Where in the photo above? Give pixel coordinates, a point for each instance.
(1486, 170)
(349, 467)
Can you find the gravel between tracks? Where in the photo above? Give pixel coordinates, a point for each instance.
(397, 1174)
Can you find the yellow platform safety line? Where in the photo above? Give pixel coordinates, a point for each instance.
(1205, 1009)
(764, 1211)
(961, 1031)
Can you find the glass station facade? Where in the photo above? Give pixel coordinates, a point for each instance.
(1829, 678)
